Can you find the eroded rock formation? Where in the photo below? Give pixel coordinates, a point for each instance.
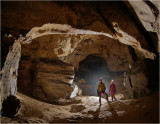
(51, 53)
(42, 74)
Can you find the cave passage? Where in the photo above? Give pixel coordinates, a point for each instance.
(90, 70)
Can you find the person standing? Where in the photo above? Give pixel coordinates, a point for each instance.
(101, 89)
(112, 90)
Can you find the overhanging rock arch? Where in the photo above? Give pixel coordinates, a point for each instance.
(64, 51)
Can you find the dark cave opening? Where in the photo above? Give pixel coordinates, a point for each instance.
(90, 70)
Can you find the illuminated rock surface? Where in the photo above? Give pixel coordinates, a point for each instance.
(59, 41)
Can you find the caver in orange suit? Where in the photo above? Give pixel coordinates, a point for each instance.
(101, 89)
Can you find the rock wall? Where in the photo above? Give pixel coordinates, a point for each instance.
(42, 74)
(10, 71)
(54, 47)
(20, 17)
(147, 17)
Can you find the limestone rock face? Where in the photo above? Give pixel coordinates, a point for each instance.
(21, 17)
(45, 67)
(10, 71)
(47, 80)
(140, 85)
(147, 13)
(115, 54)
(51, 53)
(42, 74)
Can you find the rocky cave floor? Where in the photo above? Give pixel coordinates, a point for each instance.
(87, 109)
